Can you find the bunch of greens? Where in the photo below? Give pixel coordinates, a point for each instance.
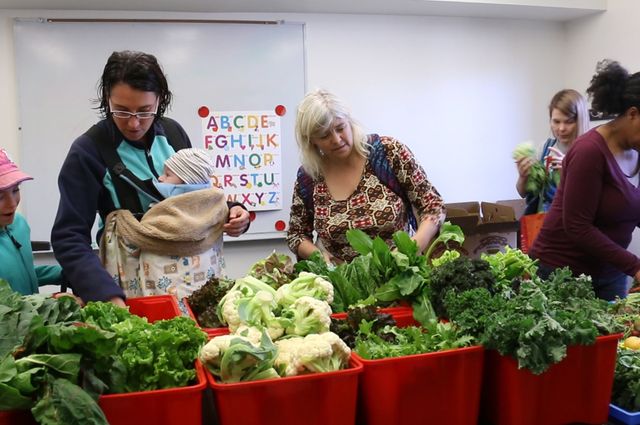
(450, 236)
(388, 274)
(57, 359)
(627, 314)
(396, 342)
(458, 275)
(509, 265)
(626, 382)
(275, 270)
(204, 301)
(538, 322)
(315, 264)
(540, 177)
(38, 368)
(347, 329)
(154, 355)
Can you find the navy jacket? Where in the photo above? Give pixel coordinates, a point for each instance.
(86, 187)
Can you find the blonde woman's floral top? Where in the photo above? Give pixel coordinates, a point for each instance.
(372, 207)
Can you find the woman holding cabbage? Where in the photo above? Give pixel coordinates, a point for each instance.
(569, 119)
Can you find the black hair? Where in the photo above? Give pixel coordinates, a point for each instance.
(612, 90)
(138, 70)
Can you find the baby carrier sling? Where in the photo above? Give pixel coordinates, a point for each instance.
(381, 168)
(127, 184)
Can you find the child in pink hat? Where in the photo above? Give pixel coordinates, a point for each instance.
(16, 257)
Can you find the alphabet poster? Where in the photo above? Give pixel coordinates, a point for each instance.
(246, 150)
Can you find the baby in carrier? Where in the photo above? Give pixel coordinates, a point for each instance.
(177, 244)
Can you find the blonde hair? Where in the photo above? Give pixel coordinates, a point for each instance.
(574, 105)
(316, 113)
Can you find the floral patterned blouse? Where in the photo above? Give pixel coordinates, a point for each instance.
(372, 207)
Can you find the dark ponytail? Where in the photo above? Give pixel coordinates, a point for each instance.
(612, 90)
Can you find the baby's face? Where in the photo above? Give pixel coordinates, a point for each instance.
(169, 177)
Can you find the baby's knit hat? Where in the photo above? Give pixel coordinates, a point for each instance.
(192, 165)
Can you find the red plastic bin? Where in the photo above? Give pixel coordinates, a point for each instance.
(160, 407)
(402, 315)
(432, 388)
(576, 390)
(171, 406)
(154, 307)
(314, 399)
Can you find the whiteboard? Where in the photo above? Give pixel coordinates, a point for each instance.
(225, 65)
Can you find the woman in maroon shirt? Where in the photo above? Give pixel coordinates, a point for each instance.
(597, 205)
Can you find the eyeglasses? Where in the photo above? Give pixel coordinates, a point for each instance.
(145, 115)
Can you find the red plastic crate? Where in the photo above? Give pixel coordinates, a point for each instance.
(171, 406)
(576, 390)
(402, 315)
(155, 307)
(314, 399)
(432, 388)
(160, 407)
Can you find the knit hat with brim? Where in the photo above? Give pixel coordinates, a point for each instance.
(10, 175)
(192, 165)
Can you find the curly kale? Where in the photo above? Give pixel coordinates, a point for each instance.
(204, 301)
(472, 310)
(458, 275)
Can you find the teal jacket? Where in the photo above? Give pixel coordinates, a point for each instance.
(16, 260)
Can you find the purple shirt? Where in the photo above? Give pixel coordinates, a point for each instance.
(593, 214)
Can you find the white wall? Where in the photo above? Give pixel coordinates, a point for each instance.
(611, 35)
(461, 92)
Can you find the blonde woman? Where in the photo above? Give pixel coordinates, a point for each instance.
(569, 118)
(349, 179)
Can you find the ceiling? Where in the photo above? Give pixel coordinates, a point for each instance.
(557, 10)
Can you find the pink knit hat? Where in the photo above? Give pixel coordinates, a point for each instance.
(10, 175)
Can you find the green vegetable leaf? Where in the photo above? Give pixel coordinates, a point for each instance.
(66, 403)
(10, 398)
(360, 241)
(388, 292)
(405, 244)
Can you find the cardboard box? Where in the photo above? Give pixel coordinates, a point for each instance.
(487, 227)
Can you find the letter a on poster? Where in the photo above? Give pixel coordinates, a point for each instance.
(246, 150)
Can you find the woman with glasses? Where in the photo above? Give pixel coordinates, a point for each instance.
(112, 165)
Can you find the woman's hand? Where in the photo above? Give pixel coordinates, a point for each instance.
(78, 300)
(554, 159)
(118, 301)
(524, 166)
(237, 222)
